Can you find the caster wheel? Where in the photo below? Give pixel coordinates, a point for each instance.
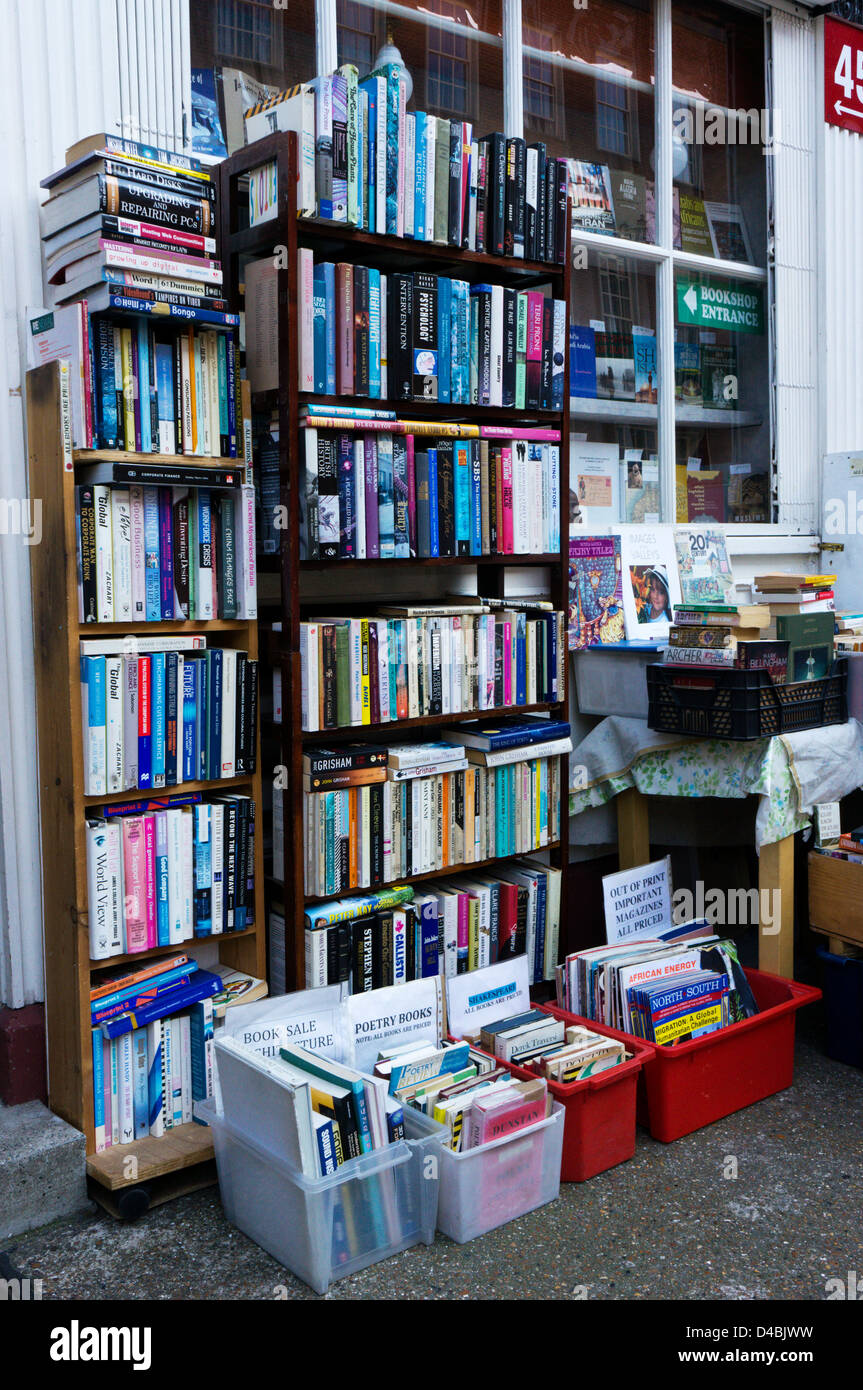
(133, 1202)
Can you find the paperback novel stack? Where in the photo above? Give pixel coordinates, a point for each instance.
(710, 628)
(413, 661)
(152, 1032)
(165, 871)
(130, 227)
(366, 161)
(394, 489)
(417, 336)
(463, 1089)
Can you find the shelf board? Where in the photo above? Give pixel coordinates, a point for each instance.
(166, 627)
(111, 962)
(153, 460)
(181, 788)
(395, 248)
(425, 721)
(433, 410)
(178, 1148)
(441, 561)
(433, 873)
(637, 413)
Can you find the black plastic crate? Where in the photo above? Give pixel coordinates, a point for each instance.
(741, 704)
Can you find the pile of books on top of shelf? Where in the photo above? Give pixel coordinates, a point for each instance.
(368, 162)
(131, 227)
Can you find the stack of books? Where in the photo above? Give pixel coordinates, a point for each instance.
(583, 1053)
(368, 162)
(725, 637)
(801, 615)
(152, 1033)
(665, 991)
(424, 337)
(446, 929)
(165, 543)
(168, 870)
(462, 1088)
(495, 798)
(393, 489)
(412, 661)
(131, 227)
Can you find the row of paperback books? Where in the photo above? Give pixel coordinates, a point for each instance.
(381, 669)
(367, 161)
(424, 337)
(623, 367)
(666, 991)
(447, 929)
(371, 494)
(175, 713)
(164, 544)
(166, 871)
(488, 805)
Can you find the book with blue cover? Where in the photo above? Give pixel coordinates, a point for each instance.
(202, 985)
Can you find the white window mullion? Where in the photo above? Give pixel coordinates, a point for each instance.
(663, 130)
(326, 41)
(513, 76)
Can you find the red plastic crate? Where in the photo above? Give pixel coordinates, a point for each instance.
(599, 1118)
(599, 1112)
(686, 1087)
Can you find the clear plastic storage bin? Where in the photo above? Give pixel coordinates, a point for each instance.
(486, 1187)
(323, 1229)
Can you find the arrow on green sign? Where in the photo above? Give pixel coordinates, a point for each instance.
(721, 304)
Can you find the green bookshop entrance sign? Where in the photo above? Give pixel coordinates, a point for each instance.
(721, 304)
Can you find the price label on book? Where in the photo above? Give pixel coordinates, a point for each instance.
(721, 304)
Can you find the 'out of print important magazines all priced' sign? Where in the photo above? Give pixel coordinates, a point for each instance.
(637, 902)
(843, 75)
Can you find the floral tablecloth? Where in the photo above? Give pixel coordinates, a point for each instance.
(790, 772)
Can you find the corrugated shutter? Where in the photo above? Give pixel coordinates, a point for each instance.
(154, 69)
(792, 176)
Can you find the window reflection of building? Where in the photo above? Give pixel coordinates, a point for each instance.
(448, 64)
(358, 38)
(245, 30)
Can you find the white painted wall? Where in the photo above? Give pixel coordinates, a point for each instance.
(70, 68)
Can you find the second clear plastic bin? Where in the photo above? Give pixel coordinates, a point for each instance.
(486, 1187)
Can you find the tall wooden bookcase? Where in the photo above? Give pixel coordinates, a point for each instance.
(282, 237)
(69, 972)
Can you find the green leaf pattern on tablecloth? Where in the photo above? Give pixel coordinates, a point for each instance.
(711, 767)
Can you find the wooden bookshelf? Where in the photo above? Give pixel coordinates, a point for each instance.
(65, 807)
(340, 242)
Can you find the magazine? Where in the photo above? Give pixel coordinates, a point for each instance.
(704, 567)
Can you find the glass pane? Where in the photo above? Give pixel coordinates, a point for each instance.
(453, 54)
(721, 388)
(614, 467)
(245, 50)
(720, 128)
(588, 95)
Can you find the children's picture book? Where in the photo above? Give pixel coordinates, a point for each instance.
(728, 232)
(650, 582)
(703, 566)
(590, 191)
(594, 479)
(595, 592)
